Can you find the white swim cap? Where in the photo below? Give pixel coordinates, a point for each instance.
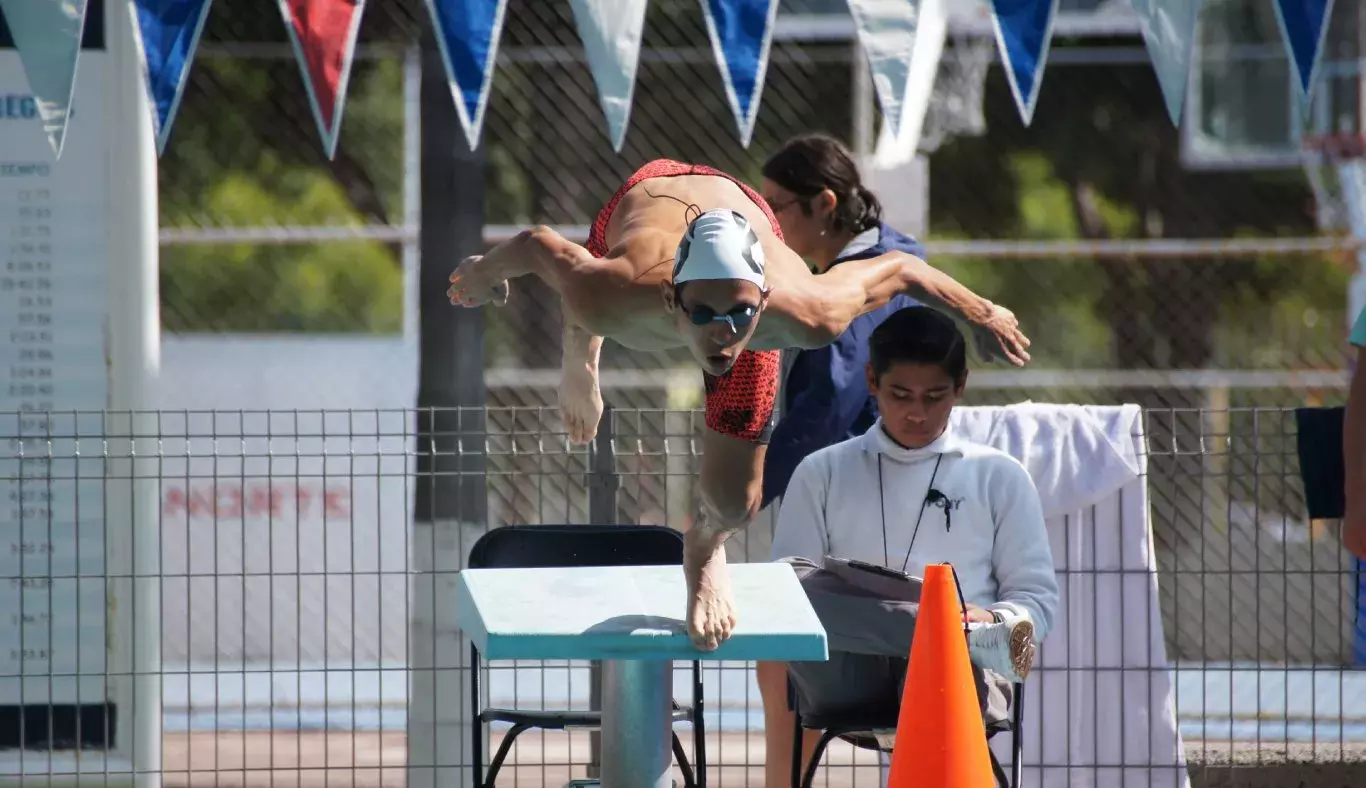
(719, 244)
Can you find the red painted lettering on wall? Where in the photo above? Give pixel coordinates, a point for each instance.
(228, 500)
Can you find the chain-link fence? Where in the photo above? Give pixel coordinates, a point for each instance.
(290, 578)
(243, 194)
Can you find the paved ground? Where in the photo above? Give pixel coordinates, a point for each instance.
(377, 761)
(374, 760)
(1266, 754)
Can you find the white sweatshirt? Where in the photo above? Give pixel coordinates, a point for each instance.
(992, 530)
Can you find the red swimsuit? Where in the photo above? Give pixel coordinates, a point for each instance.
(741, 402)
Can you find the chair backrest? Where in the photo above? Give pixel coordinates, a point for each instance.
(535, 546)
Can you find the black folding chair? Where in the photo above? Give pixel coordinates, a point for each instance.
(544, 546)
(869, 732)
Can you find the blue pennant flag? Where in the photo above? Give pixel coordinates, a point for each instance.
(1169, 28)
(741, 31)
(167, 34)
(47, 34)
(1024, 29)
(467, 32)
(1304, 25)
(611, 31)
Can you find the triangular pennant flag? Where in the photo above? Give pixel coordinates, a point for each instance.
(903, 41)
(167, 34)
(1304, 25)
(467, 32)
(741, 32)
(611, 31)
(1024, 29)
(1169, 28)
(887, 32)
(47, 34)
(323, 33)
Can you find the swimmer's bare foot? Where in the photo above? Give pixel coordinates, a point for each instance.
(580, 396)
(477, 282)
(711, 608)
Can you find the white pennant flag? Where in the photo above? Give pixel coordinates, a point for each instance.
(1169, 29)
(886, 33)
(611, 32)
(47, 34)
(904, 87)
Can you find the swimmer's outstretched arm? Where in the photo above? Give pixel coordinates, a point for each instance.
(833, 299)
(586, 284)
(536, 250)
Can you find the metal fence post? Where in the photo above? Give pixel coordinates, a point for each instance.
(451, 488)
(603, 480)
(603, 483)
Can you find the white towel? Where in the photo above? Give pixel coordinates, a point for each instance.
(1076, 455)
(1099, 705)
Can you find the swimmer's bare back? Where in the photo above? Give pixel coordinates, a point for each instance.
(617, 295)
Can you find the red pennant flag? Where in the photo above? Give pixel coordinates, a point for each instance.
(324, 36)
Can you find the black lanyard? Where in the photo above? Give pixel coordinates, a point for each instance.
(882, 507)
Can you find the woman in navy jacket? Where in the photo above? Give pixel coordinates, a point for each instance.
(828, 217)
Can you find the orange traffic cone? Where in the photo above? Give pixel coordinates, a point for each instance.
(941, 741)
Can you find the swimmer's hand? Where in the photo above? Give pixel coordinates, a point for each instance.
(998, 336)
(471, 285)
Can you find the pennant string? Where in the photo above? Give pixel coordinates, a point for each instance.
(47, 35)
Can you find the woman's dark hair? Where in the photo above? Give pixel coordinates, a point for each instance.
(812, 163)
(919, 335)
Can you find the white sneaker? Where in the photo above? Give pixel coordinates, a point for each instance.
(1005, 648)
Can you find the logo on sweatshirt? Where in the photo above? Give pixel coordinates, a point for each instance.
(936, 498)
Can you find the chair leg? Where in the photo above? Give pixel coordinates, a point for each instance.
(999, 773)
(496, 764)
(681, 757)
(1017, 739)
(824, 741)
(699, 728)
(476, 724)
(797, 765)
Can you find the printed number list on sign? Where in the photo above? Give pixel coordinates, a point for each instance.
(54, 295)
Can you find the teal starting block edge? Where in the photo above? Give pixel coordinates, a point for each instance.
(633, 613)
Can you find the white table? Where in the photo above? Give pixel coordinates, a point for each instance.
(632, 618)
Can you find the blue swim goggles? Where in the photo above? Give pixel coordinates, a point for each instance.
(738, 318)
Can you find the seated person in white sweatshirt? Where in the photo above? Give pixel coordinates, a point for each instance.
(906, 494)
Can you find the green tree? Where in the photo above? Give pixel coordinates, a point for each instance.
(1102, 161)
(262, 164)
(334, 287)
